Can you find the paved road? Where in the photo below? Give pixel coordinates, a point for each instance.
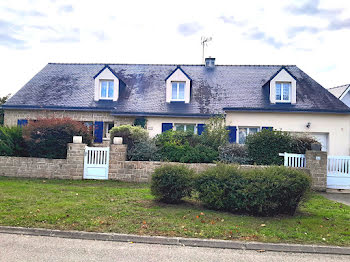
(36, 248)
(341, 198)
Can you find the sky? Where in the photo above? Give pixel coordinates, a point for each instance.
(312, 34)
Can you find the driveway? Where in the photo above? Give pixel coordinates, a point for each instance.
(338, 197)
(37, 248)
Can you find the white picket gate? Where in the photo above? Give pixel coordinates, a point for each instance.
(96, 162)
(338, 172)
(294, 160)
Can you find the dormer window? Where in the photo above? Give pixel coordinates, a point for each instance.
(178, 86)
(106, 84)
(107, 89)
(178, 91)
(283, 92)
(283, 87)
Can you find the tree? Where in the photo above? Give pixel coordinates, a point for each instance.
(2, 101)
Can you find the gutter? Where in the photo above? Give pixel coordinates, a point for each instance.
(282, 110)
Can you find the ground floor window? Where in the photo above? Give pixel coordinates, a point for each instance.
(186, 127)
(243, 132)
(90, 127)
(107, 127)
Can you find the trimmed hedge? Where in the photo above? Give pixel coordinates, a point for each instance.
(264, 147)
(48, 138)
(262, 191)
(234, 153)
(171, 183)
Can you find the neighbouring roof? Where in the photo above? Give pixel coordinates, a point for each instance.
(234, 87)
(338, 91)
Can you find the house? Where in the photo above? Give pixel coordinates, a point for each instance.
(184, 97)
(342, 93)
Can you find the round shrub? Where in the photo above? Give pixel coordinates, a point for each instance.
(234, 153)
(130, 134)
(264, 147)
(261, 191)
(170, 183)
(48, 138)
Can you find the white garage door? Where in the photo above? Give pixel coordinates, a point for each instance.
(323, 139)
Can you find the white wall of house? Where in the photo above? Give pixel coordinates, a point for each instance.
(335, 127)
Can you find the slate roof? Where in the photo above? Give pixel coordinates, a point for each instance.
(233, 87)
(338, 91)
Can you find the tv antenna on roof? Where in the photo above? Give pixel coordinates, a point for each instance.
(204, 42)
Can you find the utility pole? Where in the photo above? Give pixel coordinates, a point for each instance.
(204, 41)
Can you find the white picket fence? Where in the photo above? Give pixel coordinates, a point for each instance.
(294, 160)
(338, 172)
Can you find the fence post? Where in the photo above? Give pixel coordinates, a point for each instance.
(316, 162)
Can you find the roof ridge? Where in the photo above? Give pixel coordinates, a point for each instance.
(238, 65)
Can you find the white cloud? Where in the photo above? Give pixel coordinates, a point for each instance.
(35, 32)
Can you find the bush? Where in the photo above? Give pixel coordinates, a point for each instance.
(301, 143)
(130, 134)
(264, 147)
(264, 192)
(144, 151)
(179, 146)
(234, 153)
(171, 183)
(12, 142)
(215, 133)
(48, 138)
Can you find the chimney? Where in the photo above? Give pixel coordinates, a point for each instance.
(209, 62)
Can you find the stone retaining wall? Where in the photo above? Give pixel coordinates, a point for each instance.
(130, 171)
(30, 167)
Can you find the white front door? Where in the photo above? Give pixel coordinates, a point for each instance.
(96, 162)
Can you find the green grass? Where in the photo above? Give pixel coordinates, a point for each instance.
(109, 206)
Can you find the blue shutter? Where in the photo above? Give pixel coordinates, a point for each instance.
(22, 122)
(166, 127)
(200, 128)
(98, 131)
(267, 127)
(232, 134)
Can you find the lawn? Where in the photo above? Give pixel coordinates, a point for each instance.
(110, 206)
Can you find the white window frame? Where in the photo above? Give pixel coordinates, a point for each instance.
(107, 91)
(185, 126)
(248, 132)
(282, 89)
(178, 90)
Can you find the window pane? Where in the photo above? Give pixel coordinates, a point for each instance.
(286, 88)
(278, 91)
(179, 127)
(253, 130)
(190, 128)
(174, 91)
(110, 89)
(104, 89)
(181, 90)
(242, 135)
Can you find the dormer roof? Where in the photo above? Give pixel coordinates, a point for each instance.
(178, 68)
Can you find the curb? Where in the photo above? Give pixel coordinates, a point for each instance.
(178, 241)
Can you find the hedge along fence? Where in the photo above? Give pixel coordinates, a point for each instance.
(264, 192)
